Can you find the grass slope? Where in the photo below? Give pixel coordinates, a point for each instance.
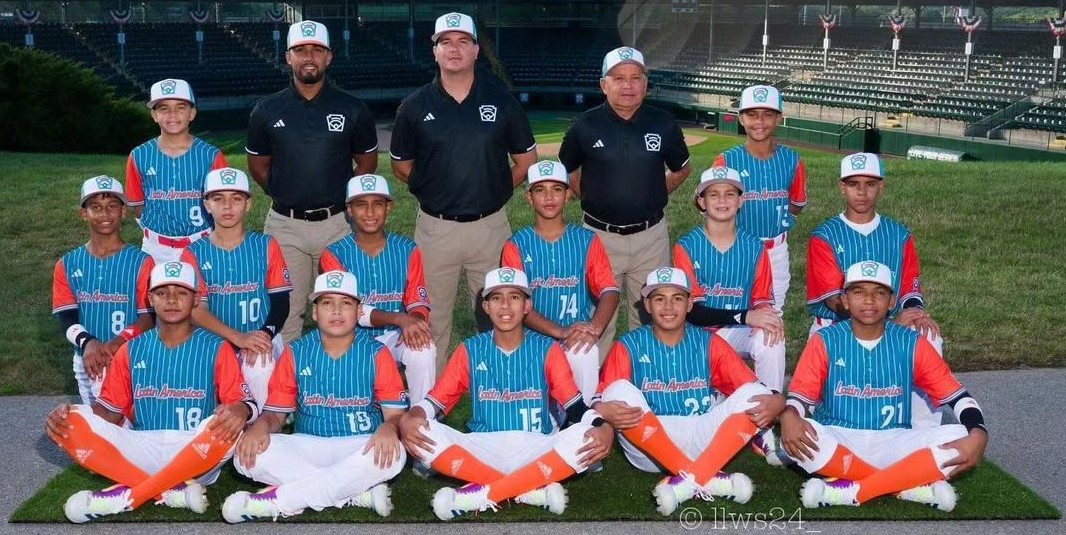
(987, 235)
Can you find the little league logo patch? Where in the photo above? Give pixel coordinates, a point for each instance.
(719, 172)
(105, 182)
(625, 53)
(546, 168)
(335, 122)
(307, 29)
(760, 94)
(169, 87)
(869, 269)
(423, 294)
(172, 269)
(653, 142)
(369, 183)
(664, 275)
(488, 113)
(453, 20)
(507, 275)
(334, 280)
(858, 162)
(228, 177)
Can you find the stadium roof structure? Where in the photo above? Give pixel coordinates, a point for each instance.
(906, 3)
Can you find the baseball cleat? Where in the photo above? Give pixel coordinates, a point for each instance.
(378, 498)
(766, 445)
(188, 495)
(675, 490)
(551, 497)
(89, 505)
(243, 506)
(939, 494)
(823, 493)
(449, 503)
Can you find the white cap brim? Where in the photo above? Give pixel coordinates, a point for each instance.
(489, 289)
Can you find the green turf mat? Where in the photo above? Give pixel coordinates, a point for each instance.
(619, 492)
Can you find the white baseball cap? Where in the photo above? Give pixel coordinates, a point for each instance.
(719, 175)
(308, 32)
(367, 185)
(505, 278)
(861, 164)
(869, 271)
(177, 273)
(546, 171)
(622, 54)
(454, 22)
(171, 88)
(226, 179)
(335, 282)
(663, 277)
(102, 184)
(766, 97)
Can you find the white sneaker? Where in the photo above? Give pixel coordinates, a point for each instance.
(821, 493)
(243, 506)
(89, 505)
(551, 497)
(378, 498)
(449, 503)
(675, 490)
(939, 494)
(189, 495)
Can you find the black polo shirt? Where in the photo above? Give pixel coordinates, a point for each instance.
(311, 144)
(460, 149)
(622, 177)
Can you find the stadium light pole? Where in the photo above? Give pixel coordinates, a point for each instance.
(765, 30)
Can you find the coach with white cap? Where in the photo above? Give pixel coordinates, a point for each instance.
(624, 159)
(453, 144)
(302, 142)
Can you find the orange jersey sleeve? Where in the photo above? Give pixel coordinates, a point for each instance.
(143, 283)
(229, 381)
(62, 296)
(134, 183)
(824, 277)
(510, 256)
(561, 384)
(808, 380)
(932, 375)
(282, 389)
(389, 391)
(415, 294)
(219, 162)
(728, 371)
(598, 270)
(797, 193)
(763, 292)
(277, 277)
(910, 280)
(719, 161)
(329, 262)
(116, 394)
(616, 366)
(453, 383)
(683, 262)
(188, 257)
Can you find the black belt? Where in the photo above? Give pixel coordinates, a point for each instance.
(623, 230)
(461, 218)
(314, 214)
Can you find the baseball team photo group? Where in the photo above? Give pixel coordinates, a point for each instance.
(474, 311)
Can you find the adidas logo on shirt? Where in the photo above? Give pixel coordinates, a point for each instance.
(151, 171)
(840, 248)
(76, 274)
(645, 359)
(598, 144)
(481, 367)
(529, 258)
(429, 117)
(745, 174)
(840, 362)
(140, 365)
(279, 124)
(696, 265)
(306, 372)
(205, 266)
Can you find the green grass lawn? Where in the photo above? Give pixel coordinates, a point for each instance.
(987, 233)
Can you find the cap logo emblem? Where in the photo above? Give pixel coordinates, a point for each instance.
(652, 142)
(334, 280)
(169, 87)
(869, 269)
(625, 53)
(507, 275)
(228, 177)
(335, 122)
(105, 182)
(546, 168)
(760, 94)
(488, 113)
(172, 269)
(453, 20)
(308, 29)
(858, 162)
(664, 275)
(719, 172)
(369, 183)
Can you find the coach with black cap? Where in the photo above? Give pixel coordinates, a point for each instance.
(302, 142)
(452, 144)
(624, 159)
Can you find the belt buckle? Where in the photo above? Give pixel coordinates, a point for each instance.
(307, 213)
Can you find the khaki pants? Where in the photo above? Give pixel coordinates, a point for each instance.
(448, 248)
(632, 258)
(301, 244)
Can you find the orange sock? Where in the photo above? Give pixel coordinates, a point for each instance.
(650, 436)
(549, 468)
(198, 457)
(98, 455)
(846, 465)
(917, 469)
(736, 431)
(456, 462)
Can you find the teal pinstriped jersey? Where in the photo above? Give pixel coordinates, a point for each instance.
(172, 188)
(676, 381)
(766, 188)
(558, 273)
(727, 279)
(509, 392)
(383, 277)
(237, 280)
(173, 388)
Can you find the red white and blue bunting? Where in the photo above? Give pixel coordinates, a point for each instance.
(120, 16)
(28, 17)
(897, 22)
(275, 15)
(968, 23)
(1057, 26)
(199, 16)
(829, 20)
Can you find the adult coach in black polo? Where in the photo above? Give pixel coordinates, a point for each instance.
(302, 142)
(624, 159)
(451, 144)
